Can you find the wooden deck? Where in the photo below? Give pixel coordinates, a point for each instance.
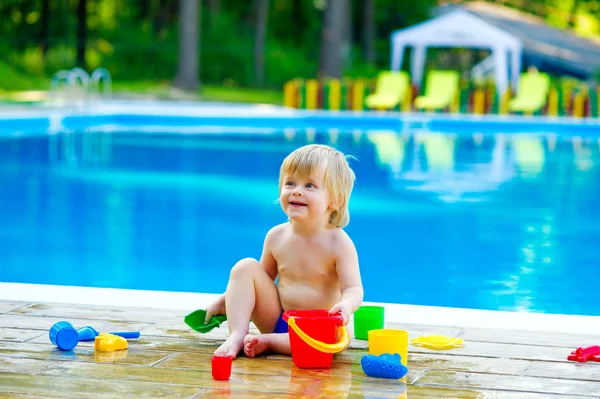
(170, 360)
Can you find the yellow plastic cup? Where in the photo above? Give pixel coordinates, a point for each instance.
(389, 341)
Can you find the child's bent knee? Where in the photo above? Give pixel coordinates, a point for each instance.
(246, 265)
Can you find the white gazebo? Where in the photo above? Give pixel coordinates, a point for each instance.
(459, 28)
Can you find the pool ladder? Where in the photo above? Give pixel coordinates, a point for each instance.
(75, 88)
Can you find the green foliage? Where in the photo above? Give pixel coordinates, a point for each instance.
(138, 40)
(12, 79)
(226, 53)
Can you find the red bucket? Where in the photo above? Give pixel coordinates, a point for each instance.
(318, 324)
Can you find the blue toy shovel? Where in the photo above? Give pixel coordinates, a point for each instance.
(89, 333)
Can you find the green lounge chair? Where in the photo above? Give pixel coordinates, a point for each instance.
(389, 91)
(532, 94)
(390, 148)
(529, 154)
(440, 90)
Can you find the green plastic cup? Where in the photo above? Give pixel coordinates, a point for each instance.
(367, 318)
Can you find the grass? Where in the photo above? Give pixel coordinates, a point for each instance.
(13, 80)
(163, 89)
(17, 87)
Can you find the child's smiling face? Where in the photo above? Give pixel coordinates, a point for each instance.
(305, 197)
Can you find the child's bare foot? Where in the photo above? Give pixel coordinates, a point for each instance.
(256, 344)
(231, 346)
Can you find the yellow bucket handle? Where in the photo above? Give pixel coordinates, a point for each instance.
(318, 345)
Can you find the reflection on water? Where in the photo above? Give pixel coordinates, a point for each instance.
(482, 221)
(109, 357)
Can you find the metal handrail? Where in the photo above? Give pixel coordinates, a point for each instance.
(98, 75)
(77, 84)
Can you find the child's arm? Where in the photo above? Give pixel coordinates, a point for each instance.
(267, 260)
(349, 278)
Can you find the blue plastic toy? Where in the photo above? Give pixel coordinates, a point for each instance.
(383, 366)
(63, 335)
(66, 337)
(89, 333)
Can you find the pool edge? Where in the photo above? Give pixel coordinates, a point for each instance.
(395, 313)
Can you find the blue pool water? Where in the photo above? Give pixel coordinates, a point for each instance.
(509, 222)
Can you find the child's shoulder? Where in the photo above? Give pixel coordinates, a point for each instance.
(277, 230)
(340, 238)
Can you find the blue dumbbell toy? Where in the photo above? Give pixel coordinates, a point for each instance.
(384, 366)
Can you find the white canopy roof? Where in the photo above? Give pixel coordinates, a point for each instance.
(459, 28)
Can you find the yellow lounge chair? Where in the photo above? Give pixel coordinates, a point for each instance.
(529, 154)
(440, 90)
(390, 90)
(390, 148)
(532, 94)
(439, 149)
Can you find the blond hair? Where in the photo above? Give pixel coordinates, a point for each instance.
(338, 177)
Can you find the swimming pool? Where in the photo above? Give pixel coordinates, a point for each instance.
(456, 219)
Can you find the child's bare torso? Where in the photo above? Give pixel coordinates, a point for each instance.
(307, 276)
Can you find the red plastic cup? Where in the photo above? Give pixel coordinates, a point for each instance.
(221, 367)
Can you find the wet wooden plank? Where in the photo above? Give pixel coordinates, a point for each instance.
(468, 364)
(514, 383)
(589, 371)
(44, 323)
(19, 335)
(417, 330)
(108, 313)
(514, 351)
(418, 392)
(531, 338)
(221, 393)
(97, 388)
(270, 366)
(413, 393)
(8, 306)
(292, 381)
(8, 395)
(22, 365)
(80, 354)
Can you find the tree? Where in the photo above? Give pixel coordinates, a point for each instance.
(573, 13)
(368, 31)
(262, 11)
(45, 26)
(189, 38)
(81, 32)
(334, 29)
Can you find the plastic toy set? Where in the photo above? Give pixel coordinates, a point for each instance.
(66, 337)
(388, 348)
(313, 336)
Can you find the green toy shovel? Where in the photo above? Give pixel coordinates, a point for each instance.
(196, 321)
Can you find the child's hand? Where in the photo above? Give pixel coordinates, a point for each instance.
(345, 308)
(215, 308)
